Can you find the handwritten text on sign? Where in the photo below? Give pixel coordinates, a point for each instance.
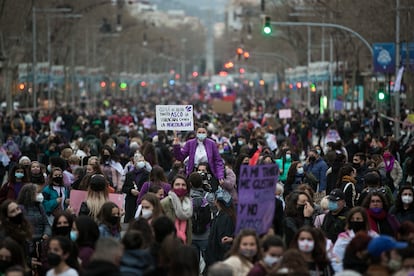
(257, 197)
(174, 117)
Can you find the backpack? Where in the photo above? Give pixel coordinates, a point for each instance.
(201, 215)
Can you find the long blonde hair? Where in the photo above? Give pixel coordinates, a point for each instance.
(95, 200)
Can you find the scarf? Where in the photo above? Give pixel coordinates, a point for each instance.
(348, 178)
(373, 218)
(183, 209)
(389, 164)
(181, 226)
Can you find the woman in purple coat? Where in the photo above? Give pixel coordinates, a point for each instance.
(200, 149)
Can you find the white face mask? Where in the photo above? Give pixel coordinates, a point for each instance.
(306, 245)
(140, 164)
(407, 199)
(270, 260)
(300, 170)
(146, 213)
(39, 197)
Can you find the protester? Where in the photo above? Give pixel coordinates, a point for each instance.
(106, 258)
(14, 224)
(156, 177)
(85, 233)
(295, 177)
(17, 178)
(62, 258)
(273, 249)
(56, 195)
(356, 221)
(299, 212)
(313, 250)
(379, 219)
(133, 185)
(109, 218)
(244, 252)
(136, 259)
(403, 209)
(62, 224)
(222, 228)
(200, 149)
(111, 167)
(96, 196)
(334, 221)
(11, 254)
(150, 208)
(178, 207)
(383, 257)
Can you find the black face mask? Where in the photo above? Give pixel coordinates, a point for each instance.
(63, 230)
(17, 219)
(113, 220)
(53, 259)
(356, 165)
(58, 180)
(357, 226)
(37, 178)
(312, 158)
(106, 157)
(4, 265)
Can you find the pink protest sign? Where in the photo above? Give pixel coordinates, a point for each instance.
(77, 197)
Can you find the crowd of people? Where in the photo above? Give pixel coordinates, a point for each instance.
(343, 198)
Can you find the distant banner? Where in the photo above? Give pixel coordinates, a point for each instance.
(256, 204)
(77, 197)
(285, 113)
(174, 117)
(222, 107)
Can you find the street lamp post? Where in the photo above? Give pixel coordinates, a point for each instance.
(323, 25)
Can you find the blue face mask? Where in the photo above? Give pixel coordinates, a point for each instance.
(201, 136)
(19, 175)
(73, 235)
(332, 205)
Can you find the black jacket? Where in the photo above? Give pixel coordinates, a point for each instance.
(334, 224)
(99, 268)
(221, 226)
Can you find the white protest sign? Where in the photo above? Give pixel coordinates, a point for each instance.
(174, 117)
(285, 113)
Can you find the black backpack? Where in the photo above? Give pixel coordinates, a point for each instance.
(201, 215)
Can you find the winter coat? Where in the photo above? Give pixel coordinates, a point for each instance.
(213, 156)
(318, 169)
(135, 262)
(50, 198)
(221, 226)
(37, 218)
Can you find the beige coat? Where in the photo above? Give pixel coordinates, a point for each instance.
(239, 268)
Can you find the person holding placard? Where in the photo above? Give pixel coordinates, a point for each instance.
(198, 150)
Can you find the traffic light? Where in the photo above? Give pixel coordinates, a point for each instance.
(246, 55)
(381, 94)
(123, 85)
(267, 26)
(22, 87)
(312, 87)
(103, 84)
(239, 52)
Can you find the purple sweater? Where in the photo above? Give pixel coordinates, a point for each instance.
(145, 187)
(213, 156)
